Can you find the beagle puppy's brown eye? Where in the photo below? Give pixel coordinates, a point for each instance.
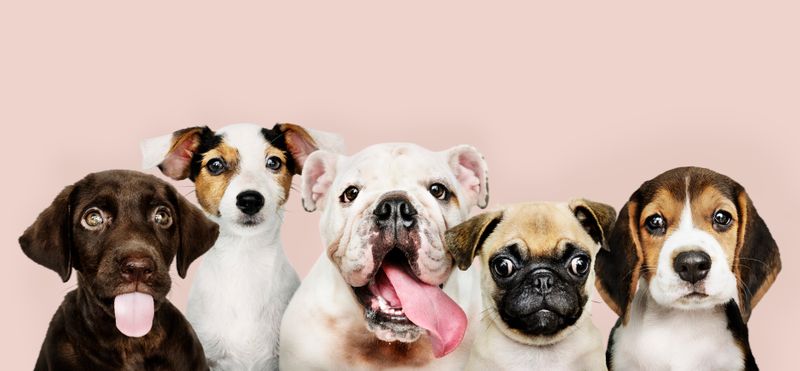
(656, 224)
(93, 219)
(162, 217)
(579, 265)
(439, 191)
(274, 163)
(216, 166)
(722, 220)
(503, 267)
(349, 194)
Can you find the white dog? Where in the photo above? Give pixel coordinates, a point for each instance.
(242, 174)
(374, 299)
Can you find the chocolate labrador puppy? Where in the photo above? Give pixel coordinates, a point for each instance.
(120, 230)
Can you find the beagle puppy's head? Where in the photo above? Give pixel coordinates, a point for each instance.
(695, 239)
(242, 173)
(536, 260)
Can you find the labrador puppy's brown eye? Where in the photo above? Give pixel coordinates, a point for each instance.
(579, 265)
(722, 220)
(162, 217)
(656, 224)
(439, 191)
(93, 219)
(349, 194)
(216, 166)
(503, 267)
(274, 163)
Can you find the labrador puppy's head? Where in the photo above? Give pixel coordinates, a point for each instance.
(120, 230)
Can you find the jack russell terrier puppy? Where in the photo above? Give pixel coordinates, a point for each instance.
(536, 284)
(242, 175)
(382, 296)
(687, 261)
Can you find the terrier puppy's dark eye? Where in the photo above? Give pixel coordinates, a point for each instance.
(503, 267)
(274, 163)
(216, 166)
(722, 220)
(439, 191)
(579, 265)
(349, 194)
(656, 224)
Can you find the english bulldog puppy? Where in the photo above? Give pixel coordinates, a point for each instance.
(536, 284)
(687, 261)
(382, 296)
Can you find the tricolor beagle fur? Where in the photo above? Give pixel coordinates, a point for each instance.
(687, 261)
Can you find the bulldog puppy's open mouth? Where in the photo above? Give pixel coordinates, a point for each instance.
(400, 307)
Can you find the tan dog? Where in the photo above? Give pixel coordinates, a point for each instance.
(688, 259)
(536, 284)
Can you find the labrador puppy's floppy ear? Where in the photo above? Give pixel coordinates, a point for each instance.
(318, 176)
(618, 263)
(197, 233)
(173, 153)
(757, 261)
(471, 171)
(48, 241)
(466, 239)
(595, 217)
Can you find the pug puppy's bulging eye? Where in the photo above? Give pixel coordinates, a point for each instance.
(216, 166)
(274, 163)
(579, 265)
(349, 194)
(439, 191)
(722, 220)
(93, 219)
(162, 217)
(656, 224)
(503, 267)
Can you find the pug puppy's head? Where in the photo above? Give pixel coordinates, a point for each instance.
(536, 260)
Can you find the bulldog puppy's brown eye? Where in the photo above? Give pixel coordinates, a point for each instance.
(579, 265)
(93, 219)
(439, 191)
(216, 166)
(274, 163)
(162, 217)
(503, 267)
(722, 220)
(656, 224)
(349, 194)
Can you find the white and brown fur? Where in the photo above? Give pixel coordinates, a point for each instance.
(245, 282)
(542, 237)
(667, 323)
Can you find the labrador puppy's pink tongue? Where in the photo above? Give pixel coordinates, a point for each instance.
(427, 306)
(134, 313)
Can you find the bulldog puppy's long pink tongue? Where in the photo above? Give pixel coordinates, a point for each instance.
(134, 313)
(427, 306)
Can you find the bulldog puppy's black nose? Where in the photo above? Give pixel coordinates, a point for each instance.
(396, 210)
(692, 266)
(542, 281)
(250, 202)
(137, 269)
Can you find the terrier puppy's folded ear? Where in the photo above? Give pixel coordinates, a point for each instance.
(173, 153)
(465, 240)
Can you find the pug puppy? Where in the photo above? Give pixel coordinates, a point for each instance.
(536, 284)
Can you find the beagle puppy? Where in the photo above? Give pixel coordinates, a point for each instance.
(687, 261)
(536, 284)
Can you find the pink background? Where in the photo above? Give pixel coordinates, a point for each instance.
(564, 100)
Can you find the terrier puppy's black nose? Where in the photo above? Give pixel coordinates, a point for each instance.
(395, 210)
(542, 281)
(249, 202)
(692, 266)
(137, 269)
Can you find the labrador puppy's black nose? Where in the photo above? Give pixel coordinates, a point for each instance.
(692, 266)
(395, 210)
(137, 269)
(250, 202)
(542, 281)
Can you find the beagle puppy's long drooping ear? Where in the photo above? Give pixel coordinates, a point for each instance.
(618, 263)
(48, 241)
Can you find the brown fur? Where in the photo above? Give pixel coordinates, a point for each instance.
(361, 347)
(210, 188)
(283, 176)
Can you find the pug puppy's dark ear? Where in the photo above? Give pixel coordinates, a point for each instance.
(465, 240)
(48, 241)
(757, 261)
(197, 233)
(173, 153)
(595, 217)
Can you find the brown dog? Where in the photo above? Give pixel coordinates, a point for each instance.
(120, 230)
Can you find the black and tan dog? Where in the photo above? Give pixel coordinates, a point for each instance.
(688, 260)
(536, 283)
(120, 230)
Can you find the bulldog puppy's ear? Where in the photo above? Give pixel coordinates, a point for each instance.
(197, 232)
(595, 217)
(318, 176)
(466, 239)
(301, 142)
(48, 241)
(471, 171)
(173, 153)
(757, 261)
(617, 266)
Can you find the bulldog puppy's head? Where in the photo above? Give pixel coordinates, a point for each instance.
(694, 239)
(537, 260)
(385, 212)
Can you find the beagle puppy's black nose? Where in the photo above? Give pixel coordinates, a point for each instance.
(250, 202)
(692, 266)
(542, 281)
(395, 210)
(137, 269)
